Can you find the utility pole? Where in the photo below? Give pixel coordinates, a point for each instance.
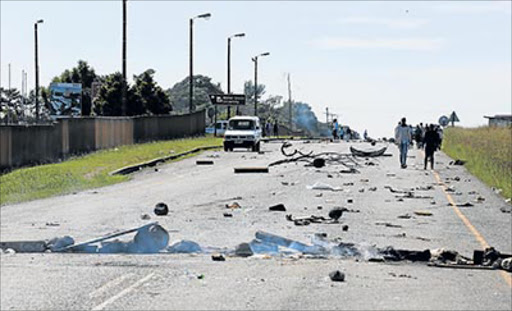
(124, 84)
(255, 86)
(191, 68)
(290, 103)
(326, 115)
(37, 70)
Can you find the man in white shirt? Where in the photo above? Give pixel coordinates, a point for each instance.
(403, 137)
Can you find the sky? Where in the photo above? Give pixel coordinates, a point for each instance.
(369, 62)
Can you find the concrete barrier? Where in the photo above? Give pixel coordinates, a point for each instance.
(22, 145)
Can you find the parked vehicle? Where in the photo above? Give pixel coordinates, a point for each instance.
(243, 132)
(221, 126)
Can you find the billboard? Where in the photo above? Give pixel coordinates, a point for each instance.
(65, 99)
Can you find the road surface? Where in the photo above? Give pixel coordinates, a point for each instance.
(197, 195)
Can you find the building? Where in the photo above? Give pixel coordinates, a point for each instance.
(502, 120)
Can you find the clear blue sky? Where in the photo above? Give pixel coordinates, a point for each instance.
(370, 62)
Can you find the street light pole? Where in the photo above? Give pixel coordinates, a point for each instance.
(37, 69)
(255, 60)
(191, 60)
(124, 84)
(229, 66)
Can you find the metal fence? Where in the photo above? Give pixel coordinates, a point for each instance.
(22, 145)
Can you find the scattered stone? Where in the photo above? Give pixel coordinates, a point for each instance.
(218, 257)
(456, 178)
(400, 200)
(361, 190)
(364, 180)
(319, 207)
(337, 276)
(472, 192)
(348, 184)
(433, 202)
(318, 162)
(344, 228)
(506, 209)
(405, 216)
(329, 176)
(156, 170)
(200, 276)
(336, 213)
(480, 199)
(350, 201)
(52, 224)
(145, 217)
(161, 209)
(243, 250)
(319, 195)
(228, 215)
(278, 208)
(372, 189)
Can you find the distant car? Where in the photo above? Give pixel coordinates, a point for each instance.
(221, 128)
(243, 132)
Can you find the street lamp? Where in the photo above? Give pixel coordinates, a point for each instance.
(191, 74)
(238, 35)
(37, 69)
(255, 60)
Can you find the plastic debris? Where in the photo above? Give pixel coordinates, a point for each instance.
(323, 186)
(184, 247)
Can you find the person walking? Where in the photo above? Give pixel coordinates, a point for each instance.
(403, 137)
(267, 127)
(276, 128)
(431, 144)
(335, 129)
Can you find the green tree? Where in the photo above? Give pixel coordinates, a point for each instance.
(108, 101)
(84, 74)
(149, 96)
(203, 87)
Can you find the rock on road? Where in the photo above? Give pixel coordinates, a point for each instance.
(197, 195)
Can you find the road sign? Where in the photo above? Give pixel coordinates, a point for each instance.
(231, 99)
(454, 118)
(443, 120)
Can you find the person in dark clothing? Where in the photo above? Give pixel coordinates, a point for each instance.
(431, 142)
(276, 128)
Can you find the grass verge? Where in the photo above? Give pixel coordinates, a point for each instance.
(488, 152)
(89, 171)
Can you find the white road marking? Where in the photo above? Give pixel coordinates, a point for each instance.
(109, 285)
(125, 291)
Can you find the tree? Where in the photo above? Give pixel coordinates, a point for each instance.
(108, 101)
(249, 91)
(203, 87)
(150, 97)
(84, 74)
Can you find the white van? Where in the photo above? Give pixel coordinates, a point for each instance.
(243, 132)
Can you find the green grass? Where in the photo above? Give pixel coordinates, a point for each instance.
(89, 171)
(488, 152)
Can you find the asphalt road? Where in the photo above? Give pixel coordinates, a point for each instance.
(197, 196)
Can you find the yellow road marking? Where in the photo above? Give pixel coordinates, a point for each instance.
(125, 291)
(469, 225)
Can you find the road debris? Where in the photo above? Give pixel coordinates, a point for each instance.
(145, 217)
(388, 224)
(277, 208)
(337, 276)
(161, 209)
(233, 205)
(239, 170)
(368, 153)
(423, 213)
(323, 186)
(467, 204)
(506, 209)
(336, 213)
(218, 257)
(227, 215)
(184, 247)
(243, 250)
(457, 162)
(344, 228)
(204, 162)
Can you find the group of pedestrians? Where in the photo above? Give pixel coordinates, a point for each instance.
(428, 137)
(339, 133)
(269, 130)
